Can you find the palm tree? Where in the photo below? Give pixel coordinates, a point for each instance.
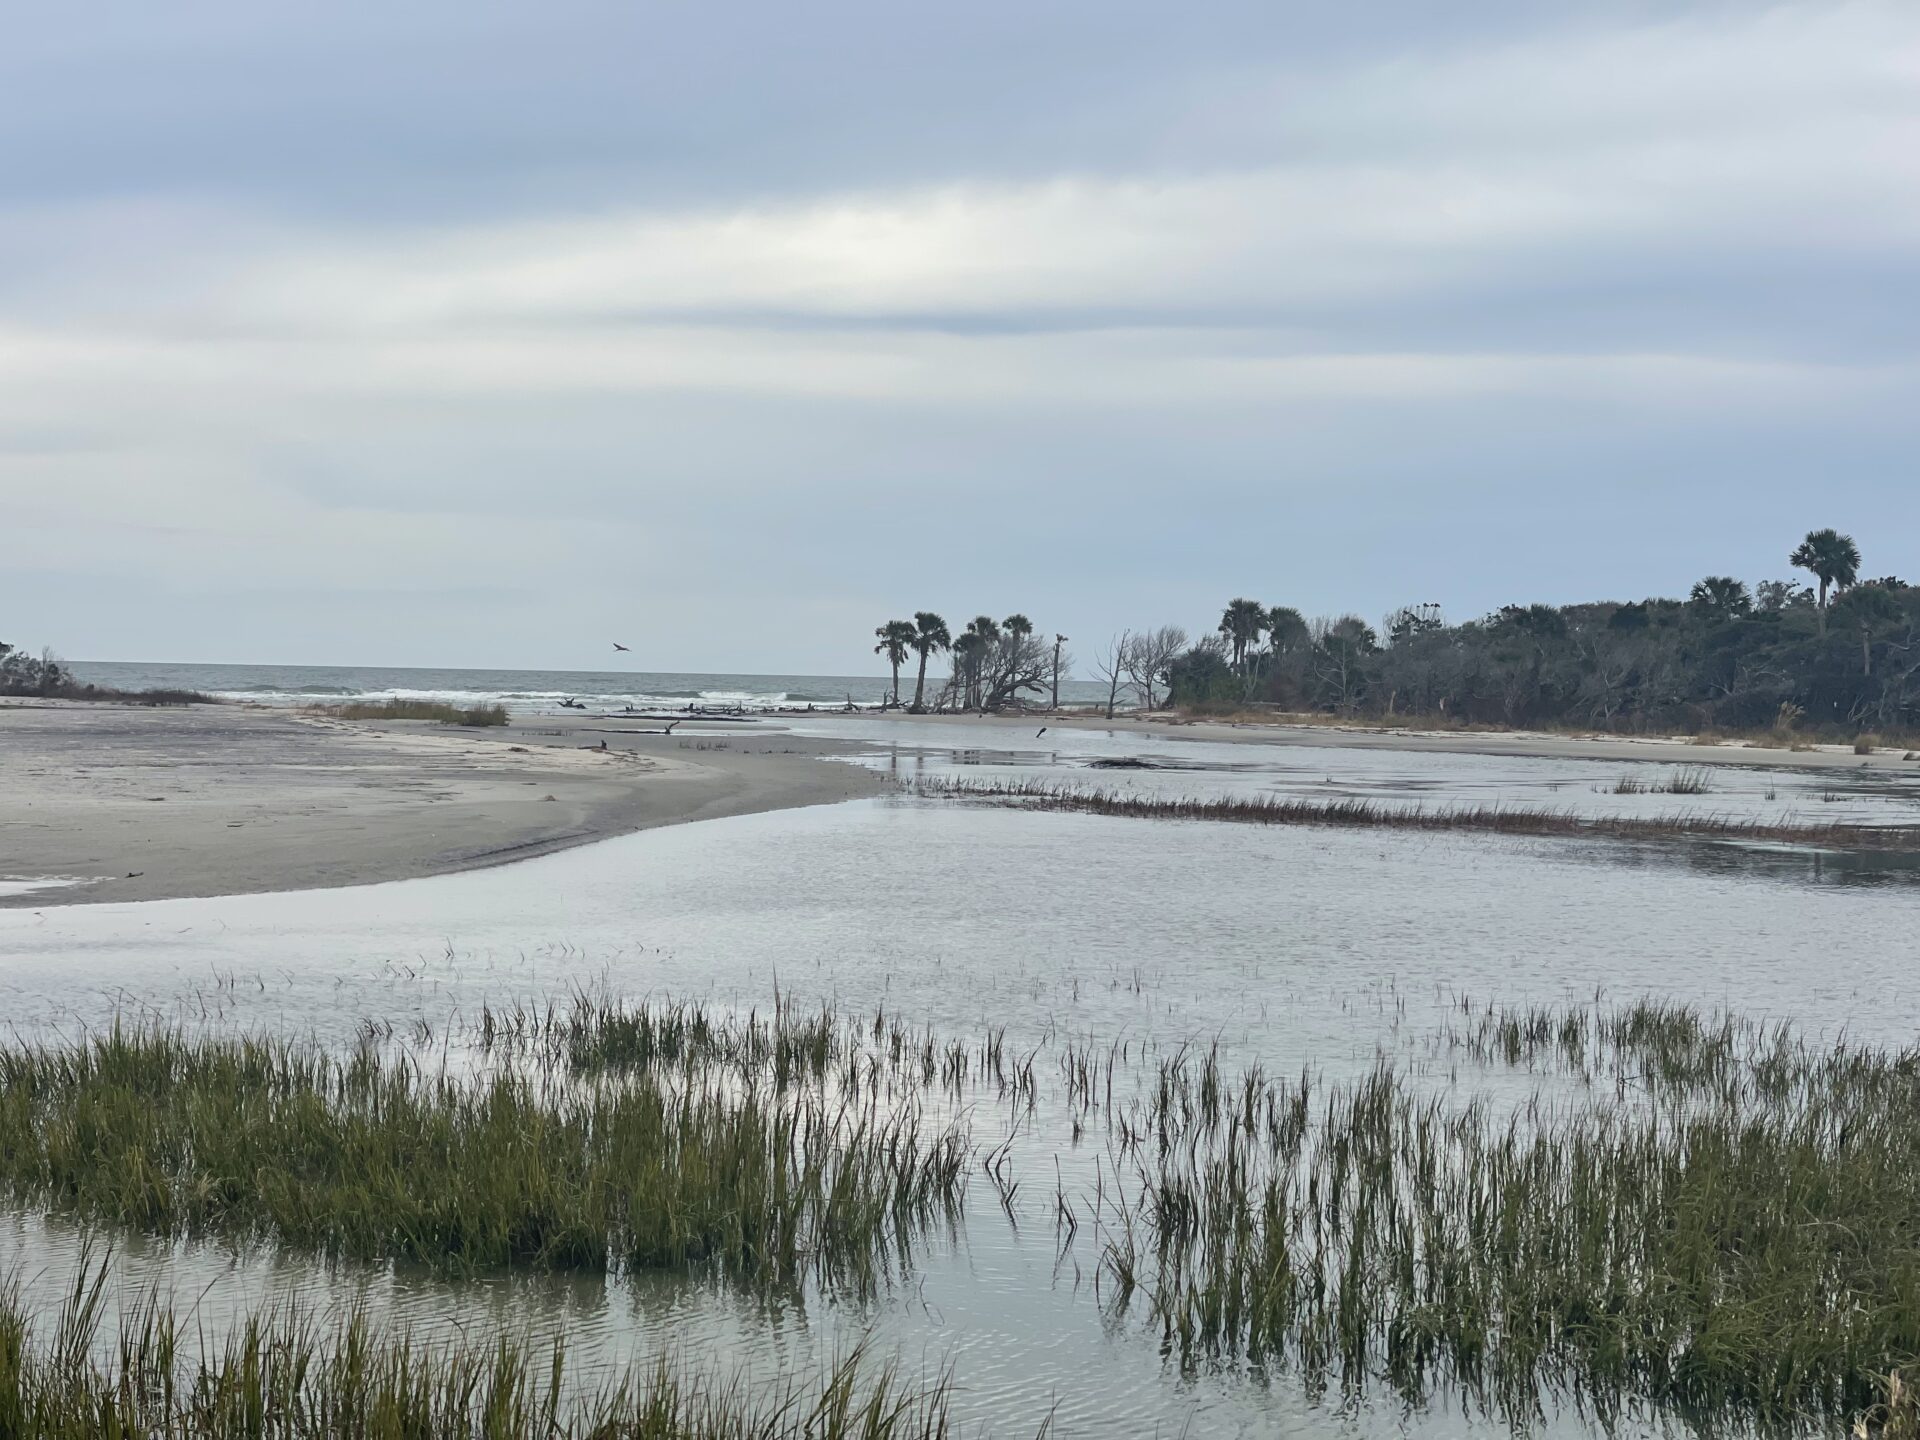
(1243, 622)
(929, 634)
(966, 663)
(896, 638)
(1830, 557)
(1287, 629)
(985, 632)
(1721, 597)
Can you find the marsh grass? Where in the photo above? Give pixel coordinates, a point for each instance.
(284, 1376)
(1727, 1230)
(377, 1158)
(1366, 814)
(476, 715)
(1703, 1215)
(1687, 780)
(842, 1058)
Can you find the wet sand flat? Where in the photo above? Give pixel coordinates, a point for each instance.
(111, 803)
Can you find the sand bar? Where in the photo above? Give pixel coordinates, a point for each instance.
(127, 803)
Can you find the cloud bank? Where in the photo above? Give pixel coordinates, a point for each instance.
(463, 337)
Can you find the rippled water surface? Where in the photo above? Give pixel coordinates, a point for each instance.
(1291, 947)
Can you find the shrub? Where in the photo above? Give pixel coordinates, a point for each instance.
(416, 710)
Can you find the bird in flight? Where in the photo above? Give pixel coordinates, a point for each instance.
(618, 646)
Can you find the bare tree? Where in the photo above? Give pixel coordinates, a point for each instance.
(1111, 666)
(1149, 655)
(1062, 662)
(1013, 665)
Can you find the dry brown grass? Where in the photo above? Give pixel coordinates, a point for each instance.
(414, 710)
(1493, 819)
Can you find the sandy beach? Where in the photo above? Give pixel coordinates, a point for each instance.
(127, 803)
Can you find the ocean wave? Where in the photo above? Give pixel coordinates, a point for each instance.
(541, 702)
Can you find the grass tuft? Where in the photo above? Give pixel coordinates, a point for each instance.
(416, 710)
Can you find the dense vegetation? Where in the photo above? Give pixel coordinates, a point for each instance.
(720, 1154)
(1842, 654)
(1839, 654)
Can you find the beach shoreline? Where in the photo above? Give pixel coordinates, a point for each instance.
(111, 803)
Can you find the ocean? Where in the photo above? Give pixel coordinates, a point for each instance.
(534, 691)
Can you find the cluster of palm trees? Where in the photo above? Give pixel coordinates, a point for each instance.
(926, 634)
(993, 660)
(1244, 622)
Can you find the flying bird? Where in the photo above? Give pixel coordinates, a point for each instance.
(618, 646)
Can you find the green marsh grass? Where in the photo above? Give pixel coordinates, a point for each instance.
(284, 1376)
(1722, 1221)
(376, 1158)
(1700, 1216)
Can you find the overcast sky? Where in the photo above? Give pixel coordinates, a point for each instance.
(473, 334)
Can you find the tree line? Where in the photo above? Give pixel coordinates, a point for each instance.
(1830, 650)
(1841, 651)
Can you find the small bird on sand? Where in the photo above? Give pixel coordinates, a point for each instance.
(618, 646)
(1041, 731)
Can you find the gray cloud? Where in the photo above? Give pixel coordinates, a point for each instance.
(415, 338)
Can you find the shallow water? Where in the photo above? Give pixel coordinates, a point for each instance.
(1638, 788)
(1292, 947)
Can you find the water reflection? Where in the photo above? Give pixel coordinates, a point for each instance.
(1653, 787)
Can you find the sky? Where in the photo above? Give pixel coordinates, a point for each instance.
(486, 334)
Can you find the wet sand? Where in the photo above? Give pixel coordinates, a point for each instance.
(142, 804)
